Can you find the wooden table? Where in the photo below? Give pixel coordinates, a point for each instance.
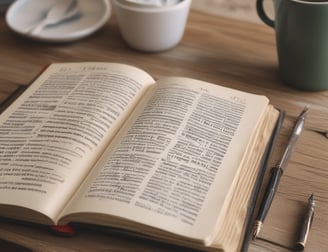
(232, 53)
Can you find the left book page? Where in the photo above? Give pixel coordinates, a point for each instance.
(52, 134)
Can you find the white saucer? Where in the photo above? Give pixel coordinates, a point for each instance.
(24, 14)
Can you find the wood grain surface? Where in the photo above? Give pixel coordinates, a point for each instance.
(221, 50)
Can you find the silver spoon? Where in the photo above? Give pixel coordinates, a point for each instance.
(59, 12)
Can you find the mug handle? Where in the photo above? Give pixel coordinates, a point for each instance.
(262, 14)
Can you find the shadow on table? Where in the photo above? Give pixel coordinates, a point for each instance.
(6, 246)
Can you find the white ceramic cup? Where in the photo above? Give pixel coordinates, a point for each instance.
(151, 28)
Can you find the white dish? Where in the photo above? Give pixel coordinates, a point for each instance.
(24, 14)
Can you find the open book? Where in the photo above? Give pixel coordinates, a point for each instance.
(103, 143)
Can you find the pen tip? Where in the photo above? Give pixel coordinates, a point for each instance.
(311, 197)
(257, 229)
(305, 110)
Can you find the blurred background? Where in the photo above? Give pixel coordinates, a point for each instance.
(240, 9)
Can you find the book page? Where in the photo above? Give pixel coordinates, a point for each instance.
(174, 164)
(54, 132)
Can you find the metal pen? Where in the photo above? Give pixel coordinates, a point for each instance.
(277, 171)
(306, 225)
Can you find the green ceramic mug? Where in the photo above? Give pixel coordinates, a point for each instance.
(302, 41)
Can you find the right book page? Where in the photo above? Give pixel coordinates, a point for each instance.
(174, 168)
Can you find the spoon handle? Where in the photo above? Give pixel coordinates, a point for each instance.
(60, 11)
(38, 28)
